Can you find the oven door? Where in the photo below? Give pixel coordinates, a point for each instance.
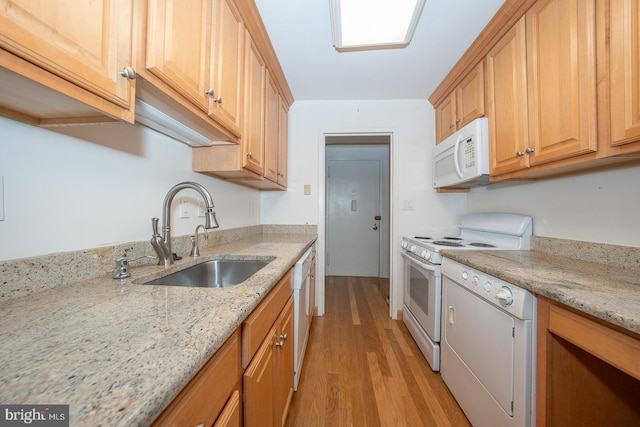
(423, 293)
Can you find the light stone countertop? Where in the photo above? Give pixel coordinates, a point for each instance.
(606, 292)
(118, 352)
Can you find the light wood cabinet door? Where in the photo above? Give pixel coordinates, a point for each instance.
(625, 72)
(507, 102)
(178, 47)
(465, 104)
(226, 101)
(470, 97)
(271, 133)
(206, 396)
(231, 415)
(253, 135)
(445, 118)
(283, 145)
(259, 379)
(86, 43)
(284, 360)
(561, 71)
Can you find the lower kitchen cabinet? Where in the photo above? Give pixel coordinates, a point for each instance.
(213, 395)
(588, 372)
(268, 379)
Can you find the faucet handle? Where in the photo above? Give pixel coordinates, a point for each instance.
(122, 266)
(154, 226)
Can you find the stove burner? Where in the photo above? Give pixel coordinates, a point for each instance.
(445, 243)
(482, 245)
(423, 238)
(452, 238)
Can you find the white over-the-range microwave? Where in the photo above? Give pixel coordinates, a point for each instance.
(462, 159)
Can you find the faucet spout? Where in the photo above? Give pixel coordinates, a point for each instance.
(210, 217)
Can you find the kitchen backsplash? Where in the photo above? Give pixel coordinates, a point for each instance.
(21, 277)
(626, 257)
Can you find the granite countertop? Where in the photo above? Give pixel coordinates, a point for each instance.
(118, 352)
(606, 292)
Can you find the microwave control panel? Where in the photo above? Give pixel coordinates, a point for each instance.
(469, 154)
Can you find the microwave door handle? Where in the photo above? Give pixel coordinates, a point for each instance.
(456, 165)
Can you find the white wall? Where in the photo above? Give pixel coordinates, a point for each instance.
(412, 125)
(601, 207)
(99, 185)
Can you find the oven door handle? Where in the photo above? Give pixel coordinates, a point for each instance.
(424, 266)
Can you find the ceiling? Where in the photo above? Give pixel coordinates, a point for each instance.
(300, 31)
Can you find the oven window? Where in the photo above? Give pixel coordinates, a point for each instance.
(419, 288)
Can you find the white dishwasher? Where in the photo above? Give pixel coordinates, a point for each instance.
(487, 347)
(301, 311)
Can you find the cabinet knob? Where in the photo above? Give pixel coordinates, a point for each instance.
(209, 92)
(450, 125)
(283, 337)
(217, 100)
(529, 150)
(457, 121)
(249, 154)
(201, 425)
(280, 344)
(128, 72)
(519, 153)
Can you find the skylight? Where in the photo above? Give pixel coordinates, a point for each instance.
(373, 24)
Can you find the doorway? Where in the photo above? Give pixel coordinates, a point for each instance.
(357, 206)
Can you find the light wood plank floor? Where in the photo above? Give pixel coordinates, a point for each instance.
(362, 368)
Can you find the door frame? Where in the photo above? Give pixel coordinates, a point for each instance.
(394, 289)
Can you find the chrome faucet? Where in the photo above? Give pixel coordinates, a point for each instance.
(162, 244)
(195, 251)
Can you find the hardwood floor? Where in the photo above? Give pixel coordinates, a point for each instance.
(362, 368)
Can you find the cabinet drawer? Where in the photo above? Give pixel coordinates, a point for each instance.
(260, 321)
(207, 393)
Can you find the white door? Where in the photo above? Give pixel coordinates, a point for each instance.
(353, 212)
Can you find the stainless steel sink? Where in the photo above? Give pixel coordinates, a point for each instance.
(218, 273)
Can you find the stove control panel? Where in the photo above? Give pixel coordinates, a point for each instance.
(510, 298)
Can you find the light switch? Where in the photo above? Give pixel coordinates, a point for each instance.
(1, 198)
(202, 209)
(307, 189)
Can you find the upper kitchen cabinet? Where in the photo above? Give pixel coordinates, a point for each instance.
(254, 131)
(195, 55)
(276, 135)
(561, 75)
(541, 87)
(625, 74)
(66, 62)
(464, 104)
(507, 102)
(209, 72)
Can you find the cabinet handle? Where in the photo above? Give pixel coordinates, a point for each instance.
(529, 150)
(280, 344)
(209, 92)
(217, 100)
(519, 154)
(128, 72)
(249, 154)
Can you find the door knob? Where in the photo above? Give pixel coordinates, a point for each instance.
(375, 226)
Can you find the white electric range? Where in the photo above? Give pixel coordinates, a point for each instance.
(422, 275)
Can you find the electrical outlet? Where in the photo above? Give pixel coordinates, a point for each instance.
(1, 198)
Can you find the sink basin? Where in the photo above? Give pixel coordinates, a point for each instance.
(218, 273)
